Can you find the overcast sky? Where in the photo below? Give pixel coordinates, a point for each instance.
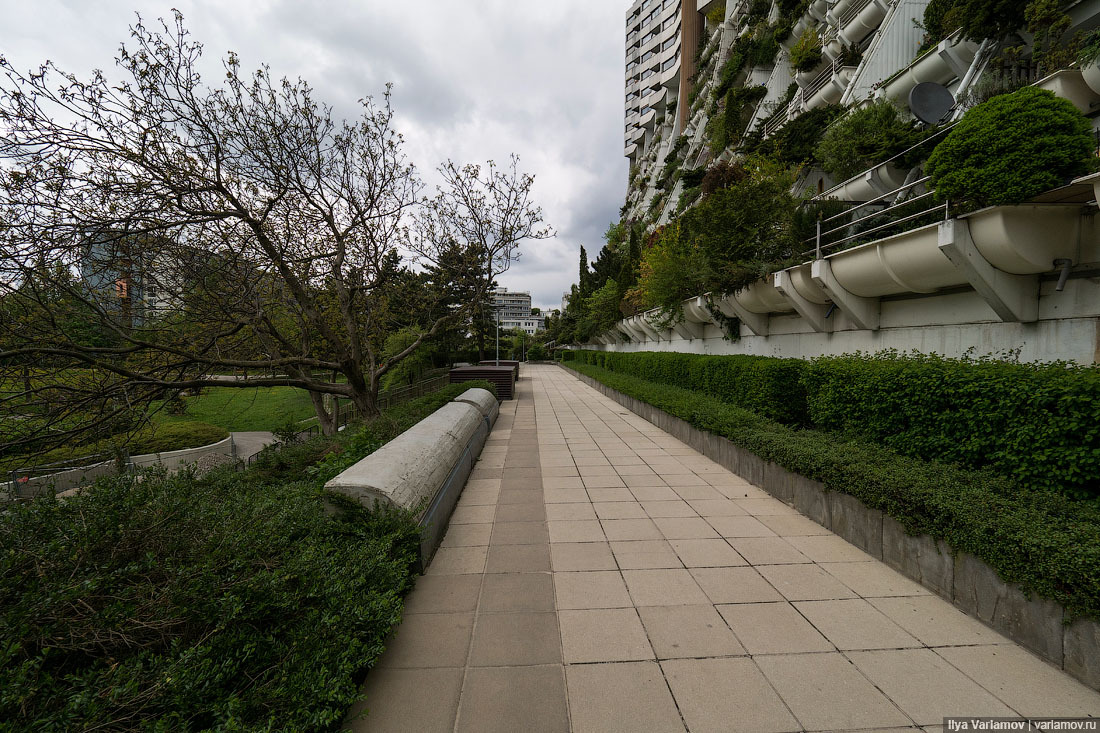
(473, 80)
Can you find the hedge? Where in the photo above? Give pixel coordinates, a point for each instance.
(232, 602)
(1038, 424)
(1042, 540)
(767, 386)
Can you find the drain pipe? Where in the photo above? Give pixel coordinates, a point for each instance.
(1066, 265)
(976, 67)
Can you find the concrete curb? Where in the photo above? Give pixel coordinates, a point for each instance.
(970, 584)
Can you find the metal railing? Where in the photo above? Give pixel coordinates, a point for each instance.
(819, 248)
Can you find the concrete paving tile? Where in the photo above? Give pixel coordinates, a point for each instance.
(584, 458)
(829, 548)
(603, 635)
(638, 471)
(690, 486)
(429, 640)
(663, 588)
(1024, 682)
(738, 491)
(740, 527)
(505, 592)
(505, 700)
(559, 472)
(521, 512)
(486, 473)
(521, 496)
(576, 556)
(792, 525)
(578, 510)
(935, 622)
(726, 695)
(518, 559)
(766, 507)
(593, 589)
(630, 529)
(688, 631)
(773, 628)
(457, 560)
(519, 533)
(727, 479)
(473, 514)
(627, 460)
(767, 550)
(524, 472)
(565, 496)
(513, 639)
(603, 482)
(874, 579)
(826, 692)
(619, 510)
(707, 553)
(635, 481)
(624, 697)
(925, 686)
(478, 497)
(655, 493)
(593, 471)
(716, 507)
(521, 459)
(805, 583)
(610, 494)
(675, 508)
(394, 702)
(685, 528)
(855, 624)
(734, 585)
(443, 594)
(644, 554)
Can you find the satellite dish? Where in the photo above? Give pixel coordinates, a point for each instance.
(930, 102)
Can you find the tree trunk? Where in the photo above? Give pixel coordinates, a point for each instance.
(324, 419)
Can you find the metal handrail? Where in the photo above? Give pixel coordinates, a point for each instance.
(855, 9)
(819, 249)
(842, 184)
(903, 187)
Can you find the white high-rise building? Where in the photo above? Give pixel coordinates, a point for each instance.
(661, 39)
(514, 309)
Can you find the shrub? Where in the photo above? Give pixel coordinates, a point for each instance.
(1036, 423)
(166, 603)
(795, 143)
(1011, 148)
(863, 138)
(537, 352)
(806, 52)
(1042, 540)
(981, 19)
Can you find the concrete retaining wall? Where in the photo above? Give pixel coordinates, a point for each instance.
(424, 468)
(1036, 623)
(175, 459)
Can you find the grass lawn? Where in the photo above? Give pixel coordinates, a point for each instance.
(254, 408)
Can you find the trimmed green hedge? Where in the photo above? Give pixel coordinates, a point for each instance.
(1044, 541)
(1038, 424)
(767, 386)
(232, 602)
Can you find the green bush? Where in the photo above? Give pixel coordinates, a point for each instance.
(766, 386)
(806, 52)
(166, 603)
(1047, 543)
(795, 143)
(1012, 148)
(865, 137)
(1038, 424)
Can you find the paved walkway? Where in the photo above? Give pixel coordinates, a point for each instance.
(599, 575)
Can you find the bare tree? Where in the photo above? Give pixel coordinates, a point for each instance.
(158, 233)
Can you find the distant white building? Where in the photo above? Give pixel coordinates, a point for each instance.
(514, 308)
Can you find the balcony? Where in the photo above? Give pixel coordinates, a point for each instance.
(947, 61)
(859, 19)
(828, 86)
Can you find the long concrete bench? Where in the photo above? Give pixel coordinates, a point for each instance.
(424, 468)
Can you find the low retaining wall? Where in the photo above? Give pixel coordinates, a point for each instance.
(424, 468)
(1039, 624)
(76, 477)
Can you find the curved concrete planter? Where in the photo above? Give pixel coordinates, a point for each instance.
(905, 263)
(762, 297)
(864, 22)
(1026, 239)
(1070, 84)
(871, 185)
(943, 63)
(424, 468)
(969, 583)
